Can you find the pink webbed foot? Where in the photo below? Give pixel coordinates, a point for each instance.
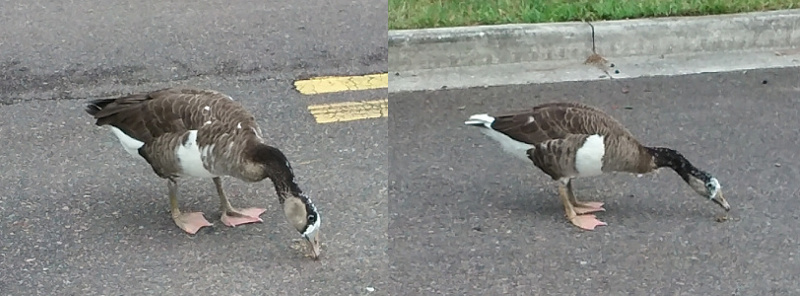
(587, 222)
(589, 207)
(244, 216)
(191, 222)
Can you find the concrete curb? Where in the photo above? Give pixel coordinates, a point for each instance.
(552, 42)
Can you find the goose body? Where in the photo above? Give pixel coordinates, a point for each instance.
(205, 134)
(573, 140)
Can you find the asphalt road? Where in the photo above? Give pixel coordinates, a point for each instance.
(467, 219)
(79, 216)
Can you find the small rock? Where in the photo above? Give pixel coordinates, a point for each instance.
(764, 82)
(777, 165)
(616, 71)
(612, 65)
(625, 90)
(370, 289)
(628, 108)
(444, 86)
(477, 228)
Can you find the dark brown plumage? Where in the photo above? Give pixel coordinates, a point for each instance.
(204, 133)
(571, 140)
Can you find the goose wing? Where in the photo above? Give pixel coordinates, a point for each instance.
(147, 116)
(556, 121)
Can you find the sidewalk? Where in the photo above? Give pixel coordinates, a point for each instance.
(464, 57)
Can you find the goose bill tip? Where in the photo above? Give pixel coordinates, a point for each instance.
(720, 200)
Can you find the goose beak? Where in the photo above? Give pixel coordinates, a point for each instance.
(720, 200)
(313, 245)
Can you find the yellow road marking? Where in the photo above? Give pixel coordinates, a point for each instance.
(349, 111)
(329, 84)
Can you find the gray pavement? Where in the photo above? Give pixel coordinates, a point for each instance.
(79, 216)
(467, 219)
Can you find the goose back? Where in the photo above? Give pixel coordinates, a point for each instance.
(201, 133)
(555, 121)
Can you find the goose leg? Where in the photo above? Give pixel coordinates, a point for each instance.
(189, 222)
(587, 222)
(583, 207)
(233, 217)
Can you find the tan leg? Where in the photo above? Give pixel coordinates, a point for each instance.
(189, 222)
(232, 217)
(583, 207)
(587, 222)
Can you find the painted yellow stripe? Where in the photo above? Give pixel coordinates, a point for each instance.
(329, 84)
(349, 111)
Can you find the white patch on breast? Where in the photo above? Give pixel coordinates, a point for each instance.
(130, 144)
(207, 108)
(511, 146)
(589, 158)
(239, 125)
(190, 157)
(207, 122)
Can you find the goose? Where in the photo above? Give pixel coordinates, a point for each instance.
(185, 132)
(568, 140)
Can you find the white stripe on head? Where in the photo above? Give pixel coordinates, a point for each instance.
(313, 227)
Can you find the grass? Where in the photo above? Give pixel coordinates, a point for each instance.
(415, 14)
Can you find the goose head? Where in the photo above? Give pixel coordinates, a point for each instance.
(707, 186)
(269, 162)
(303, 216)
(702, 182)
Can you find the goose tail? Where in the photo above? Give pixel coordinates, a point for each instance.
(480, 120)
(95, 106)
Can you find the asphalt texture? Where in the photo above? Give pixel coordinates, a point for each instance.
(79, 216)
(468, 219)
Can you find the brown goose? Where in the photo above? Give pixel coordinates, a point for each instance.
(572, 140)
(205, 134)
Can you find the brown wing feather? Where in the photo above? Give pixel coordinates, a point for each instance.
(555, 121)
(146, 116)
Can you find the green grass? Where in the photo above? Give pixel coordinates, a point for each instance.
(415, 14)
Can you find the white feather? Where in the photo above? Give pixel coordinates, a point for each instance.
(207, 108)
(130, 144)
(589, 158)
(483, 119)
(239, 125)
(190, 157)
(510, 146)
(530, 119)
